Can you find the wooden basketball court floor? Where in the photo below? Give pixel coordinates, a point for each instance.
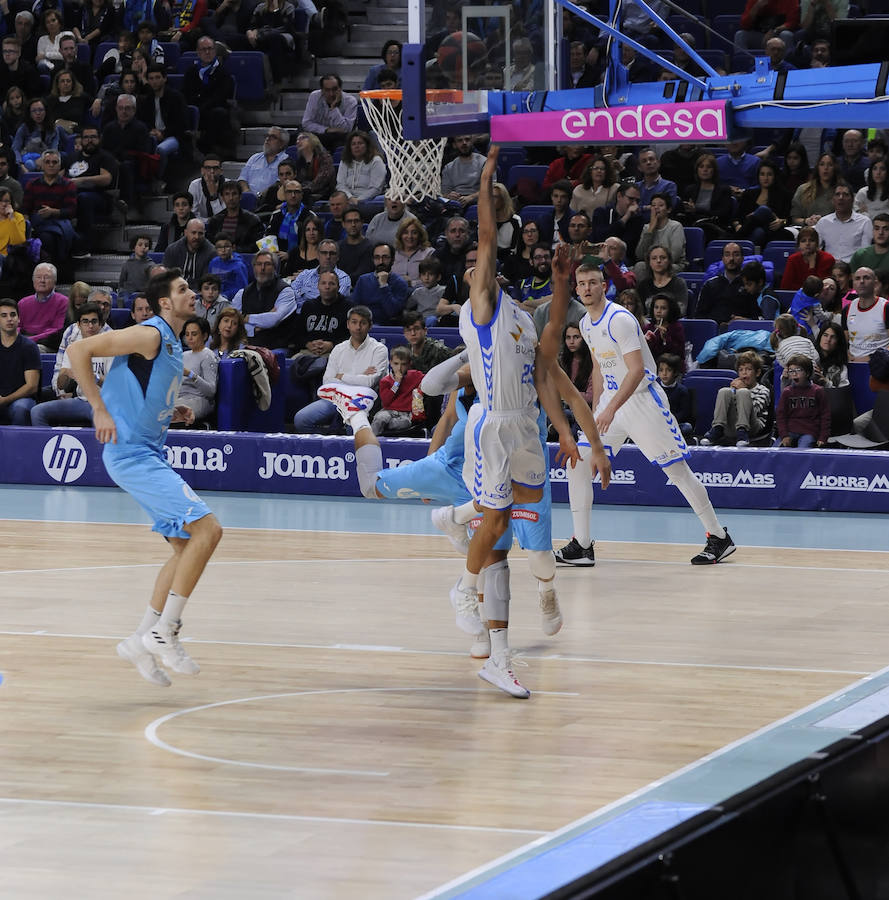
(337, 742)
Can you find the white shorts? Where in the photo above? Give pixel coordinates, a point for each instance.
(646, 419)
(501, 449)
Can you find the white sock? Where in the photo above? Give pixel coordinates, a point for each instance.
(499, 643)
(580, 497)
(469, 581)
(172, 610)
(696, 495)
(357, 421)
(465, 513)
(149, 620)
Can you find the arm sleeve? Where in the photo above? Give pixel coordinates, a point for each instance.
(442, 379)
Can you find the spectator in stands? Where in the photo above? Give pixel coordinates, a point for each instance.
(579, 230)
(13, 230)
(722, 297)
(35, 135)
(660, 279)
(20, 368)
(618, 275)
(876, 256)
(425, 352)
(97, 22)
(209, 87)
(191, 253)
(833, 352)
(873, 198)
(597, 187)
(330, 113)
(665, 333)
(707, 202)
(133, 276)
(866, 318)
(814, 199)
(66, 103)
(205, 191)
(70, 408)
(555, 229)
(776, 50)
(304, 254)
(456, 291)
(243, 227)
(652, 183)
(26, 33)
(391, 56)
(78, 294)
(229, 266)
(803, 414)
(411, 248)
(426, 297)
(741, 409)
(82, 71)
(127, 139)
(361, 173)
(787, 340)
(796, 170)
(639, 69)
(146, 38)
(397, 395)
(844, 231)
(314, 167)
(273, 31)
(808, 260)
(737, 168)
(166, 117)
(509, 225)
(764, 210)
(117, 58)
(518, 265)
(661, 231)
(50, 203)
(14, 112)
(286, 221)
(210, 302)
(678, 165)
(94, 172)
(382, 291)
(18, 72)
(762, 19)
(584, 70)
(452, 251)
(183, 213)
(273, 196)
(461, 177)
(629, 299)
(229, 333)
(48, 50)
(361, 360)
(7, 181)
(267, 304)
(261, 170)
(200, 371)
(356, 251)
(569, 165)
(853, 162)
(42, 314)
(180, 22)
(576, 362)
(320, 326)
(537, 288)
(305, 284)
(669, 374)
(753, 277)
(384, 225)
(622, 220)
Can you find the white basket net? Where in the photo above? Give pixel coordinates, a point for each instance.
(414, 166)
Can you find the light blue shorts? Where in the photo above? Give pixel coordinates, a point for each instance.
(429, 478)
(150, 480)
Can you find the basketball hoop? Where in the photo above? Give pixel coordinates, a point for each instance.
(414, 166)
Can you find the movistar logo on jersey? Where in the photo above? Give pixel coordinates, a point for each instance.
(879, 484)
(64, 458)
(197, 459)
(297, 465)
(741, 479)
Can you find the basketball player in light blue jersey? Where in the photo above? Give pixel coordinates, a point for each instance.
(131, 414)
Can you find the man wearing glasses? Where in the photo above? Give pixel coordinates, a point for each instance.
(206, 191)
(286, 220)
(208, 86)
(382, 291)
(71, 408)
(267, 304)
(305, 284)
(261, 170)
(622, 219)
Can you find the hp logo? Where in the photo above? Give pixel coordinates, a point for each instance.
(64, 458)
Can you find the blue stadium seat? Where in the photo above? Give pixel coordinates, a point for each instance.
(172, 52)
(120, 318)
(236, 409)
(246, 67)
(47, 366)
(698, 332)
(713, 251)
(706, 387)
(785, 298)
(859, 378)
(750, 325)
(536, 213)
(716, 58)
(777, 252)
(248, 201)
(694, 245)
(535, 173)
(509, 157)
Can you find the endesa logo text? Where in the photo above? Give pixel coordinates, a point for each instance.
(696, 122)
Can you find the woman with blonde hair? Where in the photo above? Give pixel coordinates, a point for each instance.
(509, 225)
(313, 166)
(77, 296)
(66, 104)
(411, 248)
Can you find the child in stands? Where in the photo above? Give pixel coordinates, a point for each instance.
(399, 393)
(669, 374)
(742, 407)
(426, 296)
(803, 408)
(229, 266)
(134, 274)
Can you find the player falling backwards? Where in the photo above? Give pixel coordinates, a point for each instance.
(131, 414)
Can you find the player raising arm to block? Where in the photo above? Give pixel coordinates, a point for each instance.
(131, 414)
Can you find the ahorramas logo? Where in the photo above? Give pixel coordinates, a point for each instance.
(197, 459)
(879, 484)
(64, 458)
(296, 465)
(741, 479)
(618, 476)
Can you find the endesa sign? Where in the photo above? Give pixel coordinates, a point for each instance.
(703, 121)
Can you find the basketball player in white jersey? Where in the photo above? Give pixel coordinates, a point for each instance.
(628, 402)
(504, 459)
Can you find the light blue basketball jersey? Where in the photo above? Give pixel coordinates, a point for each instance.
(141, 394)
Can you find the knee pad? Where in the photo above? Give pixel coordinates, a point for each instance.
(497, 592)
(542, 564)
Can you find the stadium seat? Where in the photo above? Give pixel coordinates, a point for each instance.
(694, 245)
(859, 378)
(713, 251)
(706, 387)
(777, 252)
(236, 409)
(750, 325)
(534, 173)
(172, 52)
(248, 201)
(47, 366)
(534, 213)
(120, 318)
(785, 298)
(698, 332)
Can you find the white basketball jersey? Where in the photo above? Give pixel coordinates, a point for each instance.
(501, 356)
(615, 333)
(867, 328)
